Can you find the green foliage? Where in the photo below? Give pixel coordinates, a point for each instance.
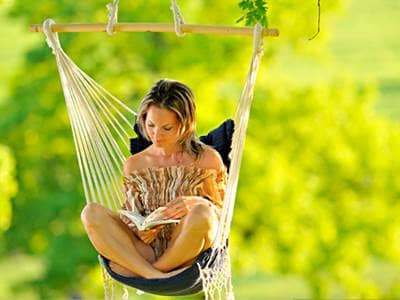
(326, 165)
(256, 12)
(9, 186)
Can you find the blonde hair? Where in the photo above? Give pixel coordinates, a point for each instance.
(178, 98)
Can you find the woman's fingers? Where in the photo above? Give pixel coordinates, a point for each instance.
(179, 205)
(170, 212)
(158, 227)
(177, 200)
(176, 212)
(147, 236)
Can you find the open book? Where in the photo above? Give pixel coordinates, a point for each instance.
(152, 220)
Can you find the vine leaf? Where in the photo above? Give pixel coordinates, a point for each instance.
(255, 11)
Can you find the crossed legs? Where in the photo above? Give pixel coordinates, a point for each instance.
(114, 240)
(194, 234)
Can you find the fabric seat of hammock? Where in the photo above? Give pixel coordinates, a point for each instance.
(189, 281)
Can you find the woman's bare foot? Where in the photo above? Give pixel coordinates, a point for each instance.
(121, 270)
(128, 273)
(179, 270)
(174, 272)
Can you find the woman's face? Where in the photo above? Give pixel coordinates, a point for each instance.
(162, 126)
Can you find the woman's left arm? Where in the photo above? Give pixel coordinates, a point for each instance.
(179, 207)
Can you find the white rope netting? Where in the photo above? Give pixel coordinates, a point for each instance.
(101, 126)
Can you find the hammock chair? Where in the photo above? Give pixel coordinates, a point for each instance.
(101, 126)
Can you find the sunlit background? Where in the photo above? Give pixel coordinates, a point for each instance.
(317, 210)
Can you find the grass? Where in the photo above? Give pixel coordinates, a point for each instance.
(364, 45)
(255, 287)
(365, 40)
(258, 286)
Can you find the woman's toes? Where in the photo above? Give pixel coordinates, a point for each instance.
(116, 268)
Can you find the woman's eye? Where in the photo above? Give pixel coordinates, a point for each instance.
(150, 125)
(168, 129)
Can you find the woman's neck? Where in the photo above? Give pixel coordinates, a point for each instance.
(167, 151)
(165, 156)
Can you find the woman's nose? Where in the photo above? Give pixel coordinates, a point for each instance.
(157, 132)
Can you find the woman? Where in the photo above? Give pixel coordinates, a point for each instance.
(176, 173)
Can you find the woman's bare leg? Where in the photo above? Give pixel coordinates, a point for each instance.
(194, 234)
(113, 239)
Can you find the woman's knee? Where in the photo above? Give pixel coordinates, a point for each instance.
(92, 214)
(201, 217)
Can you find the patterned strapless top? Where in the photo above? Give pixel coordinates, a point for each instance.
(148, 189)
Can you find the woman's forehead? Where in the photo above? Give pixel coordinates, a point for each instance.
(158, 114)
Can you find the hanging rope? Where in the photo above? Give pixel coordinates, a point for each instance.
(178, 18)
(242, 115)
(112, 16)
(216, 277)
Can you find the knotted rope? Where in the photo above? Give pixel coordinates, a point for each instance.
(112, 16)
(178, 18)
(51, 37)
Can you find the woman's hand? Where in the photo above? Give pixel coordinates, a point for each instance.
(178, 208)
(147, 236)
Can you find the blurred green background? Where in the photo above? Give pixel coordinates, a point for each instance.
(318, 202)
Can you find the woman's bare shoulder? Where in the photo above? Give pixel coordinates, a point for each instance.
(210, 159)
(136, 162)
